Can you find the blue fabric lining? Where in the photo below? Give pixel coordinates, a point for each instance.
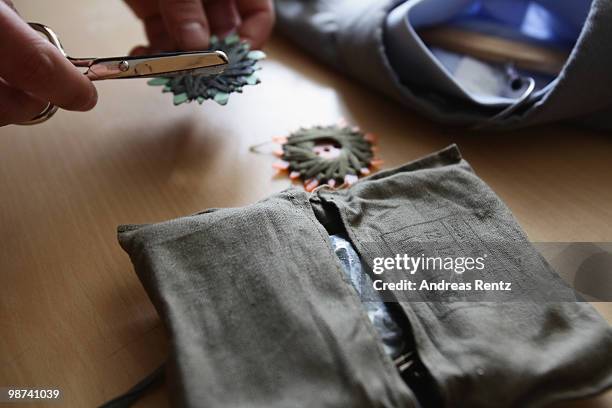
(390, 332)
(547, 22)
(551, 23)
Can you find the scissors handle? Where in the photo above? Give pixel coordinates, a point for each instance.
(50, 109)
(43, 116)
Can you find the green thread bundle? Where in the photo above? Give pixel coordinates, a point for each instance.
(241, 71)
(332, 155)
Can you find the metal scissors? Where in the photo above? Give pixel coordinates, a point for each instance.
(96, 69)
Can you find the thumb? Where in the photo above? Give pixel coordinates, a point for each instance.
(11, 5)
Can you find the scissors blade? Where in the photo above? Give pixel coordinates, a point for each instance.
(200, 63)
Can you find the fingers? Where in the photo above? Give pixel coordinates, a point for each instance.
(222, 16)
(158, 35)
(139, 50)
(155, 28)
(257, 20)
(17, 106)
(10, 4)
(186, 23)
(143, 8)
(31, 64)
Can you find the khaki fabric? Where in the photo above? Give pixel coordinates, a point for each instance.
(261, 315)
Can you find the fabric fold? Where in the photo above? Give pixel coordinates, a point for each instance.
(261, 314)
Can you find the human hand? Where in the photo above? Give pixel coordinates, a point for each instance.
(33, 72)
(188, 24)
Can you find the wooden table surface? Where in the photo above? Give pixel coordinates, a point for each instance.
(73, 313)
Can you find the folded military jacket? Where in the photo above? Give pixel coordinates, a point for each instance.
(260, 313)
